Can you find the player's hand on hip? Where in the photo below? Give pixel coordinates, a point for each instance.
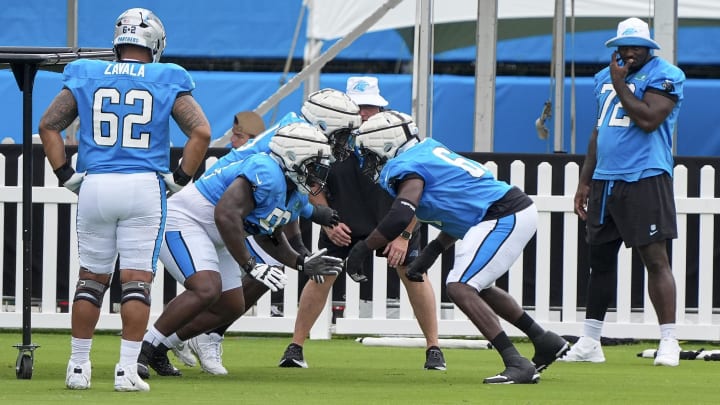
(74, 182)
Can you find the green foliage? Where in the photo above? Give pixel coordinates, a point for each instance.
(345, 372)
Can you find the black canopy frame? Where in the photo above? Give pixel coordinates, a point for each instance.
(24, 63)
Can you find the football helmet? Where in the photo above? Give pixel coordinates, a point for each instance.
(304, 154)
(381, 136)
(140, 27)
(336, 115)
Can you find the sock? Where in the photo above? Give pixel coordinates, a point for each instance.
(129, 351)
(80, 350)
(593, 328)
(501, 343)
(529, 327)
(154, 337)
(667, 331)
(173, 340)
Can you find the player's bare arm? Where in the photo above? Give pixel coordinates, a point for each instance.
(401, 214)
(59, 115)
(192, 121)
(588, 167)
(236, 203)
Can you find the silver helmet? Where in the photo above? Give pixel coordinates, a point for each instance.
(140, 27)
(304, 154)
(336, 115)
(381, 136)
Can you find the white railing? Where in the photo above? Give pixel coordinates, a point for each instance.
(381, 316)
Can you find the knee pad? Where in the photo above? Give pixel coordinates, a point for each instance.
(91, 291)
(604, 257)
(136, 290)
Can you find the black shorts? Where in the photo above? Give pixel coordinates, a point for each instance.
(639, 213)
(343, 251)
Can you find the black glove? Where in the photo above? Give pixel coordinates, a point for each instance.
(355, 261)
(427, 257)
(324, 216)
(319, 265)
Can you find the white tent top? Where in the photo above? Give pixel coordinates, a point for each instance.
(331, 19)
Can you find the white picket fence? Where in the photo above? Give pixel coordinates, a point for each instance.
(388, 317)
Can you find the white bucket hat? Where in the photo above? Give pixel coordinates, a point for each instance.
(632, 32)
(364, 90)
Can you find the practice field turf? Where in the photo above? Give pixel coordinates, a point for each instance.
(345, 372)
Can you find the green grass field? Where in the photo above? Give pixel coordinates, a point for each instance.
(343, 371)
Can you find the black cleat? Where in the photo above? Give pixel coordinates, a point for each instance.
(157, 359)
(548, 348)
(434, 359)
(293, 357)
(520, 371)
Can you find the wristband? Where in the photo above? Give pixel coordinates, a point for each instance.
(180, 177)
(64, 173)
(406, 235)
(300, 262)
(249, 265)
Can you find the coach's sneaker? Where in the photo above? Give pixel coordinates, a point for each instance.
(126, 379)
(208, 348)
(157, 359)
(548, 348)
(78, 376)
(585, 349)
(518, 370)
(293, 357)
(668, 354)
(434, 359)
(183, 353)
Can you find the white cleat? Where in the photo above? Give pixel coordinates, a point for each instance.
(586, 349)
(127, 379)
(208, 348)
(183, 353)
(668, 353)
(78, 376)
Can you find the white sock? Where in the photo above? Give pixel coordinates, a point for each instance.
(667, 331)
(593, 328)
(173, 340)
(154, 336)
(129, 351)
(80, 350)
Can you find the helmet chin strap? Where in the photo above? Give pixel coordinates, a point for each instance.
(407, 145)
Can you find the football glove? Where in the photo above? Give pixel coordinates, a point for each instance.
(318, 265)
(324, 216)
(272, 276)
(68, 178)
(176, 180)
(355, 261)
(422, 263)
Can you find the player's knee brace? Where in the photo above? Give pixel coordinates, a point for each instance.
(136, 290)
(91, 291)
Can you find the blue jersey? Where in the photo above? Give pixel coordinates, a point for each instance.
(259, 144)
(458, 191)
(273, 207)
(124, 110)
(624, 150)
